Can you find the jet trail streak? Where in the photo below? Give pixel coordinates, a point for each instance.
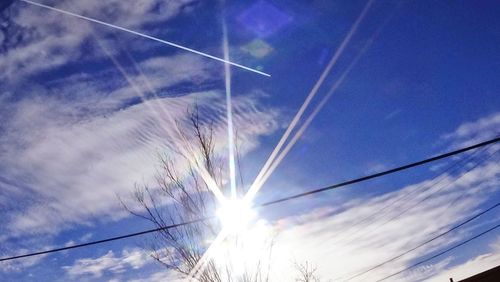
(146, 36)
(257, 184)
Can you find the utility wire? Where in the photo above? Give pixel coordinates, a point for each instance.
(346, 183)
(425, 243)
(389, 171)
(107, 239)
(453, 168)
(441, 253)
(366, 234)
(405, 210)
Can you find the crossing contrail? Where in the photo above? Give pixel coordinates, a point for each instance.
(256, 185)
(271, 164)
(146, 36)
(321, 104)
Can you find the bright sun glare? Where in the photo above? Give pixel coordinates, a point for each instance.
(236, 215)
(246, 244)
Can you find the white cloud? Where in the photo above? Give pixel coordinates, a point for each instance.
(69, 146)
(160, 276)
(75, 142)
(114, 264)
(72, 150)
(77, 167)
(325, 238)
(474, 132)
(20, 265)
(472, 266)
(55, 39)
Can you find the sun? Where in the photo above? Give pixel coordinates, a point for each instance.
(246, 240)
(243, 243)
(236, 215)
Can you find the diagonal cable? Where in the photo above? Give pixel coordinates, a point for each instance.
(441, 253)
(356, 236)
(454, 168)
(426, 242)
(335, 186)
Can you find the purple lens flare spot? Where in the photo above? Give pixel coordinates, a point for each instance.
(264, 19)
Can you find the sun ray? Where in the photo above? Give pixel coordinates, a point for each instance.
(207, 178)
(238, 220)
(207, 256)
(189, 154)
(229, 110)
(231, 158)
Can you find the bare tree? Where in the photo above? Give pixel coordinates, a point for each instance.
(306, 272)
(181, 195)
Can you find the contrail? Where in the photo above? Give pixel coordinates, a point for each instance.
(146, 36)
(263, 174)
(229, 110)
(301, 130)
(321, 104)
(255, 187)
(189, 154)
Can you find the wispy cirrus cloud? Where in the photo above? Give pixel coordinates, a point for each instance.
(470, 267)
(159, 277)
(341, 251)
(398, 221)
(472, 132)
(326, 238)
(50, 40)
(71, 143)
(76, 167)
(110, 262)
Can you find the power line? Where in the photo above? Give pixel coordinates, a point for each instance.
(366, 234)
(435, 181)
(106, 240)
(389, 171)
(426, 242)
(405, 210)
(441, 253)
(346, 183)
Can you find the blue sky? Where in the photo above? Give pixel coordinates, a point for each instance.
(75, 132)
